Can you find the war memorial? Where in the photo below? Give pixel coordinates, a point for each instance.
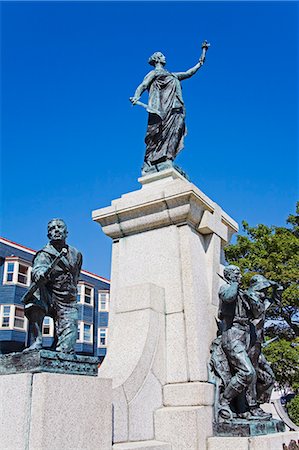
(184, 367)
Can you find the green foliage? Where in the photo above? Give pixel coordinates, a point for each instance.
(293, 409)
(284, 358)
(273, 252)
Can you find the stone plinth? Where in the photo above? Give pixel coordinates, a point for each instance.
(242, 428)
(46, 411)
(48, 361)
(267, 442)
(168, 240)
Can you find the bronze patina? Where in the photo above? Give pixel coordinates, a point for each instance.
(166, 121)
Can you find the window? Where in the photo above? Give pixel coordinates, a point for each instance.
(10, 271)
(103, 300)
(79, 289)
(102, 337)
(19, 318)
(85, 294)
(48, 327)
(85, 332)
(23, 274)
(12, 317)
(16, 271)
(5, 316)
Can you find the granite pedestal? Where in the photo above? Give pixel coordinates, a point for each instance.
(168, 240)
(43, 410)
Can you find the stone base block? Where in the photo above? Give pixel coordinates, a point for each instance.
(268, 442)
(142, 445)
(47, 361)
(243, 428)
(188, 394)
(47, 411)
(184, 427)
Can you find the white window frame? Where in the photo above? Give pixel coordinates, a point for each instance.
(17, 262)
(82, 294)
(12, 316)
(107, 293)
(20, 318)
(81, 340)
(99, 336)
(51, 327)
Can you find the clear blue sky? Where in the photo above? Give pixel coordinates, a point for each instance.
(72, 142)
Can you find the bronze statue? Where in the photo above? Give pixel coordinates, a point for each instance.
(166, 122)
(242, 376)
(259, 391)
(235, 311)
(55, 273)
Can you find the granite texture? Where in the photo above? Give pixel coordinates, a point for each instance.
(188, 394)
(15, 405)
(267, 442)
(46, 411)
(168, 240)
(142, 445)
(184, 427)
(70, 412)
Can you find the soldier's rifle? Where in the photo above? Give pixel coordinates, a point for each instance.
(266, 343)
(27, 297)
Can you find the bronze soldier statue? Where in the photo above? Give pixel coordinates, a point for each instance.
(259, 390)
(55, 273)
(242, 376)
(236, 310)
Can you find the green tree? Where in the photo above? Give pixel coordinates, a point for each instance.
(284, 358)
(293, 409)
(273, 252)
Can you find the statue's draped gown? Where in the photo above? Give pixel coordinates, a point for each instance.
(166, 126)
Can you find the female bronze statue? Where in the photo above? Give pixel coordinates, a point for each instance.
(166, 122)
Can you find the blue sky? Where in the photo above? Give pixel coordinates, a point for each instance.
(72, 142)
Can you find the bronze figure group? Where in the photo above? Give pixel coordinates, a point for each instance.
(243, 377)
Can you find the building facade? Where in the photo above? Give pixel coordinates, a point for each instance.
(15, 278)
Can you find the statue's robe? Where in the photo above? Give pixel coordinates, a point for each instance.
(166, 127)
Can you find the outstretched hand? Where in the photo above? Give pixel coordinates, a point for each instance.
(205, 45)
(134, 100)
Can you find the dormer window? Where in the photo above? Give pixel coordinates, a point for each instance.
(16, 271)
(85, 294)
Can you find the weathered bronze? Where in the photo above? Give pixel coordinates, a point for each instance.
(43, 360)
(259, 391)
(55, 273)
(166, 122)
(243, 378)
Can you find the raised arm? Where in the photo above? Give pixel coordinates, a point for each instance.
(142, 87)
(194, 69)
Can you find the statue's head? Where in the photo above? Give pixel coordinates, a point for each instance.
(57, 230)
(232, 273)
(157, 57)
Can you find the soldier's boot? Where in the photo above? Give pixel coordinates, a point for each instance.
(229, 394)
(38, 336)
(258, 414)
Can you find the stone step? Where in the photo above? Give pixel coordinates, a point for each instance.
(142, 445)
(273, 441)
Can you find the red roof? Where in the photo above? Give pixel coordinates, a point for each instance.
(30, 250)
